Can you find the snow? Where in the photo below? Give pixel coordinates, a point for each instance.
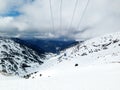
(95, 71)
(99, 77)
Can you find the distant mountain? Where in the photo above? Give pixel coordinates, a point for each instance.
(30, 44)
(46, 45)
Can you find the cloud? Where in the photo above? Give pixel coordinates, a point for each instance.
(101, 16)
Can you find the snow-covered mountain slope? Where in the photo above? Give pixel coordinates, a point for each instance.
(101, 50)
(17, 59)
(73, 70)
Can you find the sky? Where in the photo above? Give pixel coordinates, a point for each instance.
(32, 18)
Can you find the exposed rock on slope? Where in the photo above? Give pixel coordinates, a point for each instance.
(17, 59)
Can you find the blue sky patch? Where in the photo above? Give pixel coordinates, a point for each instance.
(12, 13)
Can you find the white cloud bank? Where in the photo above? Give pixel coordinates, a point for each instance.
(101, 16)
